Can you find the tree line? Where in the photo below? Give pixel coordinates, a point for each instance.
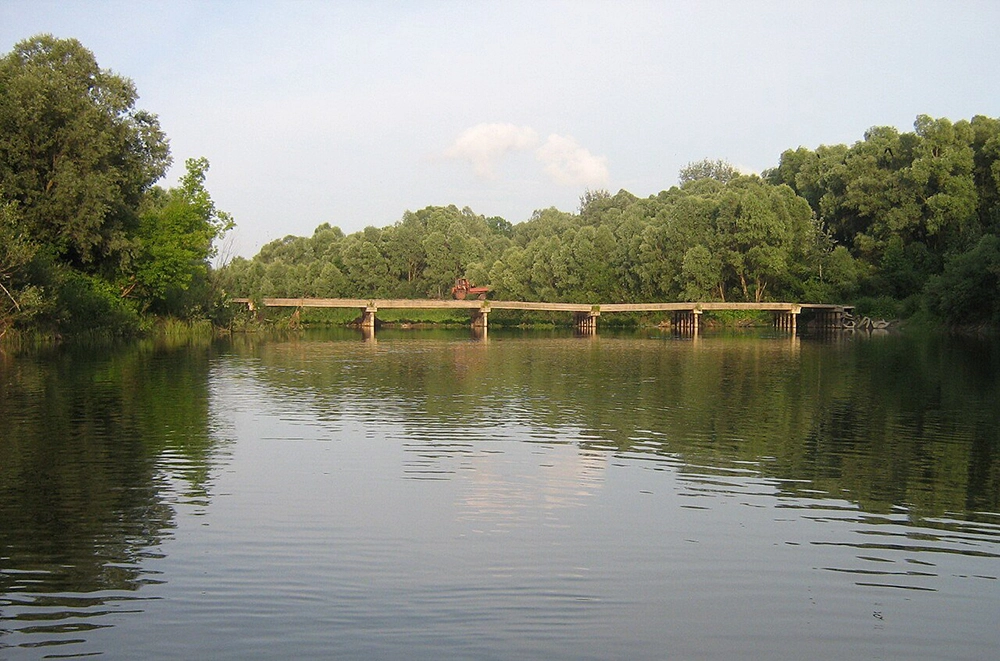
(898, 223)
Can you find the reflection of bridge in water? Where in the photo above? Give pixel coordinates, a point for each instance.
(683, 316)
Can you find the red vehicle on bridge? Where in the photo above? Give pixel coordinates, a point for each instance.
(464, 289)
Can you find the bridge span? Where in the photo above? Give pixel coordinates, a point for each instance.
(684, 316)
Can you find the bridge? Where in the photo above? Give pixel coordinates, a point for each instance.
(684, 316)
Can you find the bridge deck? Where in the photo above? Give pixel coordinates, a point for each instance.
(475, 304)
(684, 315)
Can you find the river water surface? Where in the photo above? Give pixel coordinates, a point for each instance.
(433, 496)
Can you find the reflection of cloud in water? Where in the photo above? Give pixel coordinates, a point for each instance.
(504, 478)
(504, 488)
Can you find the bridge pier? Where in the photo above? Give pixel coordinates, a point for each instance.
(786, 320)
(831, 317)
(686, 321)
(586, 322)
(368, 316)
(479, 318)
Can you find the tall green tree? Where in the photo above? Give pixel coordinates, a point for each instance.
(701, 274)
(75, 153)
(20, 301)
(175, 239)
(968, 289)
(986, 170)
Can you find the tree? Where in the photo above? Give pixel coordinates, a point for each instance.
(176, 237)
(719, 170)
(501, 226)
(365, 267)
(443, 263)
(968, 290)
(702, 274)
(591, 198)
(986, 156)
(75, 153)
(810, 174)
(19, 300)
(754, 238)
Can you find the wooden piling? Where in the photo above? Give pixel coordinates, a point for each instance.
(686, 321)
(586, 322)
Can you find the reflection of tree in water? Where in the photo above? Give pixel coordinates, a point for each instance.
(884, 421)
(89, 449)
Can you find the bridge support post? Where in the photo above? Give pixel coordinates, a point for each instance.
(821, 319)
(586, 322)
(368, 316)
(686, 321)
(786, 320)
(479, 318)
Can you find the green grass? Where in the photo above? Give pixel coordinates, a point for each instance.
(461, 317)
(737, 318)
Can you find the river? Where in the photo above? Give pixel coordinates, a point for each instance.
(430, 495)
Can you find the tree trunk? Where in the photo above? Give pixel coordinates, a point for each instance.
(759, 292)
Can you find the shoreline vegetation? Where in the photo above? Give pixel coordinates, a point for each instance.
(902, 225)
(172, 333)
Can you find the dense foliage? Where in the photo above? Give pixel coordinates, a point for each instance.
(87, 241)
(919, 211)
(706, 240)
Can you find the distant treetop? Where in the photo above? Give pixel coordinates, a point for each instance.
(720, 170)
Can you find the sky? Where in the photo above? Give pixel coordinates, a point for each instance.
(352, 113)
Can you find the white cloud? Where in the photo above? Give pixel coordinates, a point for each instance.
(564, 160)
(570, 164)
(484, 145)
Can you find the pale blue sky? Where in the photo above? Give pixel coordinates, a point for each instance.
(353, 112)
